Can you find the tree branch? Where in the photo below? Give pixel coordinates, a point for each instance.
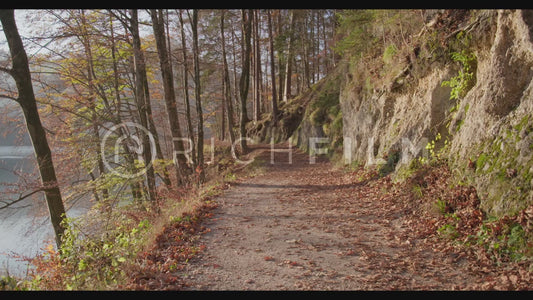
(20, 198)
(9, 97)
(6, 70)
(122, 17)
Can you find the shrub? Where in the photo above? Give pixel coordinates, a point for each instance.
(466, 78)
(87, 263)
(389, 53)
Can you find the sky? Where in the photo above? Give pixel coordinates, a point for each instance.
(23, 26)
(29, 21)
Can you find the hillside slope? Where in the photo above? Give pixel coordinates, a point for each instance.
(485, 130)
(462, 93)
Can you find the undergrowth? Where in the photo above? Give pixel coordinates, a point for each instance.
(128, 248)
(459, 220)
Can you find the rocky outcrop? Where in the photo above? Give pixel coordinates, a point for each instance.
(486, 134)
(312, 114)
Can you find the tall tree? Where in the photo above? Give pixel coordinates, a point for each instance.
(84, 37)
(281, 75)
(257, 65)
(305, 41)
(226, 83)
(143, 97)
(131, 23)
(20, 71)
(245, 74)
(170, 97)
(197, 92)
(272, 68)
(185, 77)
(288, 64)
(135, 186)
(235, 81)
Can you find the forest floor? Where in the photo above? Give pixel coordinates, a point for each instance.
(303, 226)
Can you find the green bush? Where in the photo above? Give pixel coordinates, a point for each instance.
(10, 283)
(466, 78)
(389, 53)
(448, 231)
(96, 263)
(393, 158)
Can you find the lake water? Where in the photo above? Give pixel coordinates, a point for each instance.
(23, 228)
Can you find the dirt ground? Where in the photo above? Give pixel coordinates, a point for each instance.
(303, 226)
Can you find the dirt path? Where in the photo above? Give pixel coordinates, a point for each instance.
(302, 226)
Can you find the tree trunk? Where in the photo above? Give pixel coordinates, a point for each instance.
(281, 69)
(151, 125)
(288, 63)
(235, 81)
(197, 90)
(245, 75)
(170, 98)
(186, 90)
(26, 98)
(324, 39)
(272, 70)
(257, 67)
(226, 81)
(92, 105)
(134, 186)
(141, 83)
(222, 134)
(305, 58)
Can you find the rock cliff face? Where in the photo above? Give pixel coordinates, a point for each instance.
(486, 134)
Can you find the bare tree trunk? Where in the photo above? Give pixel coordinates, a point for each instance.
(170, 98)
(315, 45)
(92, 105)
(153, 130)
(324, 39)
(257, 66)
(186, 90)
(222, 134)
(134, 186)
(245, 74)
(288, 64)
(227, 85)
(26, 98)
(272, 70)
(298, 77)
(197, 90)
(235, 88)
(130, 25)
(305, 59)
(281, 70)
(141, 85)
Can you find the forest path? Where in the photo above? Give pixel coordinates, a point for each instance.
(303, 226)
